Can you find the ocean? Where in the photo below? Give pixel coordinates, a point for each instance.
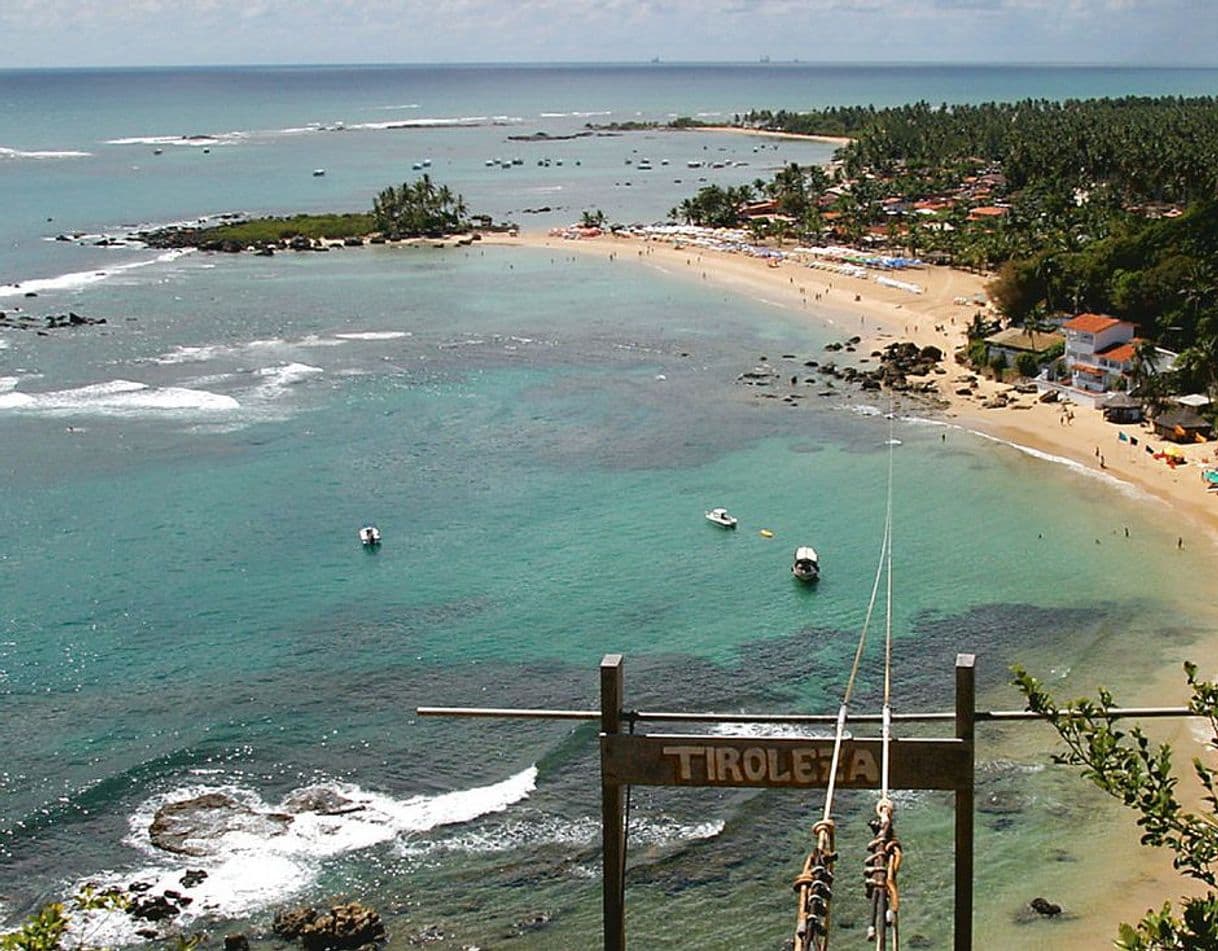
(185, 606)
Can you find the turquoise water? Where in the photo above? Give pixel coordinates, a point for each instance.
(184, 604)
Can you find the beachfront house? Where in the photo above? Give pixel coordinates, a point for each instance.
(1099, 351)
(1013, 342)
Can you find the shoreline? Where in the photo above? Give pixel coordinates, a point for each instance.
(881, 315)
(838, 140)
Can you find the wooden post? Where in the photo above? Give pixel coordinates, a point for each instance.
(613, 832)
(966, 701)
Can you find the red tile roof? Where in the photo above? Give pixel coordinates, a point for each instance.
(1087, 369)
(988, 211)
(1091, 323)
(1122, 352)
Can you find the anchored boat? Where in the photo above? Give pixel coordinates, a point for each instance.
(370, 535)
(806, 566)
(721, 517)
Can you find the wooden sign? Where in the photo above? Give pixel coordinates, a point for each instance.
(785, 762)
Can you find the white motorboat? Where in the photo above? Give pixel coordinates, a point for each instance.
(318, 172)
(370, 535)
(806, 566)
(721, 517)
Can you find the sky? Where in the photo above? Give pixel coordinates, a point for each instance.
(66, 33)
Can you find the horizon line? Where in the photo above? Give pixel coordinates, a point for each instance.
(656, 61)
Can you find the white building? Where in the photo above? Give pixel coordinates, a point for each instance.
(1099, 350)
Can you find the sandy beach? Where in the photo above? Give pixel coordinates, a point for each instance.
(881, 315)
(838, 140)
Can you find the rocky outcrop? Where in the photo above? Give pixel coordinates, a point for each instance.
(1045, 908)
(49, 322)
(189, 826)
(344, 926)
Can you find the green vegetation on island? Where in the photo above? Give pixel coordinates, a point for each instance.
(257, 231)
(410, 210)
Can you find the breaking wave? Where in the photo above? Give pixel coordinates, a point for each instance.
(78, 279)
(261, 853)
(116, 398)
(6, 153)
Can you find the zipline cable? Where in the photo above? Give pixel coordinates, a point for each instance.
(884, 850)
(814, 884)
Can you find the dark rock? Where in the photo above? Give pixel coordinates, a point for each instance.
(265, 252)
(193, 877)
(1043, 906)
(153, 908)
(149, 934)
(319, 799)
(351, 241)
(833, 346)
(288, 924)
(139, 888)
(236, 942)
(186, 827)
(344, 926)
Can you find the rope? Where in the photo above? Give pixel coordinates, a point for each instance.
(884, 850)
(814, 884)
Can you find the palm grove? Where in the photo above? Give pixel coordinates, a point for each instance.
(1108, 205)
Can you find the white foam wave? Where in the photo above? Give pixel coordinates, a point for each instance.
(373, 335)
(79, 279)
(116, 398)
(8, 383)
(863, 409)
(567, 833)
(6, 153)
(1126, 487)
(192, 141)
(792, 730)
(189, 355)
(313, 340)
(4, 344)
(429, 122)
(279, 378)
(253, 867)
(409, 105)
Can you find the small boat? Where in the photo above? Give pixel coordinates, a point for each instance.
(370, 535)
(721, 517)
(318, 172)
(806, 566)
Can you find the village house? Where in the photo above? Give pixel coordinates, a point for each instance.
(1099, 349)
(1014, 341)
